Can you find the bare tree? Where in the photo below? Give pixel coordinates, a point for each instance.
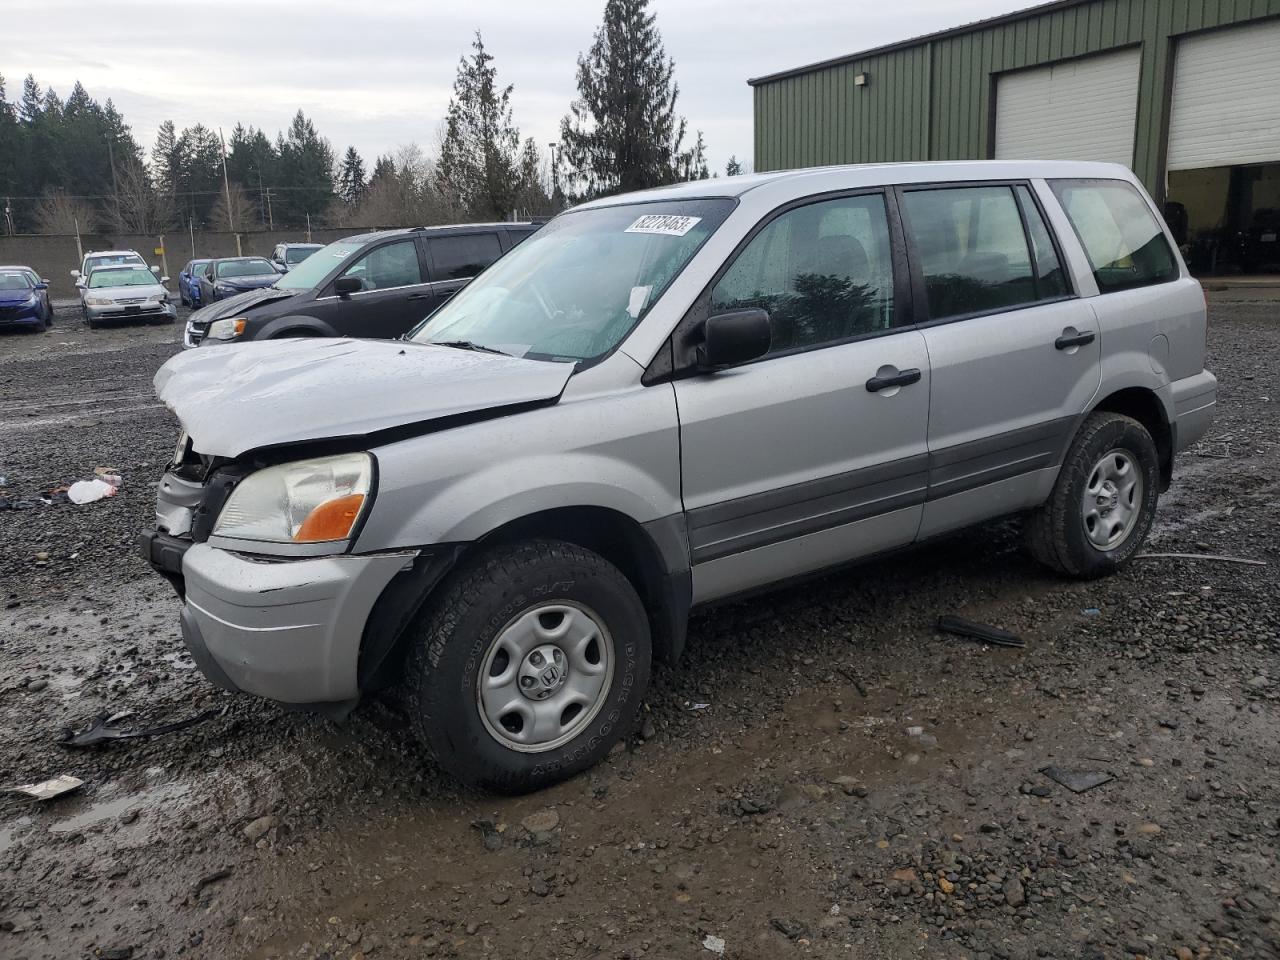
(403, 195)
(61, 213)
(236, 217)
(137, 206)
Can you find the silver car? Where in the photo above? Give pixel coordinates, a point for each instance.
(126, 293)
(662, 400)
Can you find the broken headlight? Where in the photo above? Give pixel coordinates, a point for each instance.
(310, 501)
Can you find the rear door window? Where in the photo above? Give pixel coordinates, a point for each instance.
(1122, 239)
(462, 257)
(971, 249)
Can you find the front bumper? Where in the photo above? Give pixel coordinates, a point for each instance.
(23, 315)
(287, 630)
(1195, 400)
(132, 311)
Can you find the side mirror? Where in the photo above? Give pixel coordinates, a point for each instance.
(75, 274)
(155, 270)
(345, 286)
(81, 284)
(164, 279)
(42, 285)
(729, 339)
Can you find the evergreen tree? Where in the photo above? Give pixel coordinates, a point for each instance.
(479, 156)
(167, 162)
(306, 170)
(733, 168)
(32, 104)
(201, 180)
(252, 162)
(622, 132)
(351, 181)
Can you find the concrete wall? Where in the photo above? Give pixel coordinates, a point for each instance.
(54, 257)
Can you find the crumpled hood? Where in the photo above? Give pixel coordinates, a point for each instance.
(241, 397)
(239, 303)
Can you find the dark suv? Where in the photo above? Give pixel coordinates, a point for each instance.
(372, 285)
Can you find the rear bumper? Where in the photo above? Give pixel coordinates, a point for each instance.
(1195, 400)
(286, 630)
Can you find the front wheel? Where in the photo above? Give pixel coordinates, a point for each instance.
(528, 666)
(1103, 502)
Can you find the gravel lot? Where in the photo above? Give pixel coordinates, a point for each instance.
(823, 775)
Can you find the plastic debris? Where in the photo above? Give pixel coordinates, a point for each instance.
(48, 789)
(99, 729)
(1201, 556)
(979, 631)
(714, 944)
(1077, 781)
(90, 491)
(696, 707)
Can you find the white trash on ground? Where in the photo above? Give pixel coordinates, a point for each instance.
(91, 491)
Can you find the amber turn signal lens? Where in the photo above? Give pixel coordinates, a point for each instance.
(332, 520)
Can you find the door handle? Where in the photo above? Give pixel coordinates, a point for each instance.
(900, 379)
(418, 296)
(1069, 340)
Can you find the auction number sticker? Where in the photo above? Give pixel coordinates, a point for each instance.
(665, 224)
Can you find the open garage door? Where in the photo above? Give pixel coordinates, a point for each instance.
(1079, 110)
(1226, 98)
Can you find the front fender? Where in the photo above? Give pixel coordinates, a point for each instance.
(299, 323)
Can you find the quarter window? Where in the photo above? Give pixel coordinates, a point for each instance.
(1124, 243)
(390, 265)
(824, 272)
(972, 250)
(461, 258)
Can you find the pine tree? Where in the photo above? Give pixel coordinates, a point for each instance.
(201, 179)
(306, 170)
(733, 168)
(622, 132)
(479, 156)
(32, 103)
(166, 159)
(351, 180)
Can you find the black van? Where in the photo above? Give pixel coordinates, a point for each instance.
(372, 285)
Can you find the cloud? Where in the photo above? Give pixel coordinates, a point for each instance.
(378, 74)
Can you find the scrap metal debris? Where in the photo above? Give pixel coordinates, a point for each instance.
(1077, 781)
(1201, 556)
(979, 631)
(48, 789)
(100, 729)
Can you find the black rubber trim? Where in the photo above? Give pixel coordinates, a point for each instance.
(991, 459)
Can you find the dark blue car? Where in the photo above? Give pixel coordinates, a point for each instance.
(189, 282)
(231, 275)
(24, 299)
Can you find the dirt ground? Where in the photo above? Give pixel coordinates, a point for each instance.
(822, 775)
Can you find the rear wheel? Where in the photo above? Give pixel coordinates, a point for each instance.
(529, 665)
(1103, 502)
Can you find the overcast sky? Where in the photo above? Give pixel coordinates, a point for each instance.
(378, 73)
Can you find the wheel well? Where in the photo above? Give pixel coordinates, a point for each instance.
(1145, 407)
(624, 543)
(294, 332)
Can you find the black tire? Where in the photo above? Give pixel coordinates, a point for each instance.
(454, 635)
(1056, 534)
(42, 325)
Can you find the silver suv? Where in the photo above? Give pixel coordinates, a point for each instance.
(661, 400)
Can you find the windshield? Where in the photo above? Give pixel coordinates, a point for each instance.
(298, 254)
(578, 286)
(308, 274)
(140, 277)
(15, 281)
(114, 260)
(245, 268)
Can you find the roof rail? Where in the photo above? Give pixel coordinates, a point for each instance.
(416, 229)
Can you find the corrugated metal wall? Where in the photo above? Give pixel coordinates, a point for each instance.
(933, 100)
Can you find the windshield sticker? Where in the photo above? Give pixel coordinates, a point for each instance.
(639, 297)
(665, 224)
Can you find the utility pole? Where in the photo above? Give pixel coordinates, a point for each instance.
(226, 186)
(308, 227)
(8, 216)
(79, 249)
(115, 187)
(271, 221)
(553, 145)
(191, 226)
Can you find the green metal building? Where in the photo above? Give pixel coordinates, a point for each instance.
(1186, 92)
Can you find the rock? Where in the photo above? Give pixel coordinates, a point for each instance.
(904, 875)
(1014, 895)
(35, 686)
(945, 885)
(1149, 829)
(1258, 683)
(788, 928)
(1194, 793)
(257, 829)
(851, 786)
(129, 816)
(544, 821)
(647, 730)
(1184, 953)
(539, 887)
(714, 944)
(499, 898)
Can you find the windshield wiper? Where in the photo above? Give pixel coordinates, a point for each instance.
(469, 345)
